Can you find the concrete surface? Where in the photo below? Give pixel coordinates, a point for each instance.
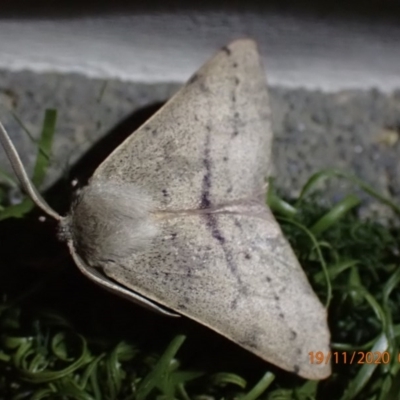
(310, 51)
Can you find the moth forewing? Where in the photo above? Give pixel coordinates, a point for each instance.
(209, 145)
(173, 218)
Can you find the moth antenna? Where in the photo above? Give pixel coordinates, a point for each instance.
(22, 176)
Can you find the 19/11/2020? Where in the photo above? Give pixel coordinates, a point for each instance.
(351, 357)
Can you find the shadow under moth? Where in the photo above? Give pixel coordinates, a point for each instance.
(175, 219)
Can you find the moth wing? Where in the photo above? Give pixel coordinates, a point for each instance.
(236, 274)
(96, 276)
(210, 144)
(232, 271)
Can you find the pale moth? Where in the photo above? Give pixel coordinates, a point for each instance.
(175, 218)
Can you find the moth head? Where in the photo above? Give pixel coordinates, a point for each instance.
(108, 221)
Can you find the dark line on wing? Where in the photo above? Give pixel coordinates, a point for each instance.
(281, 314)
(205, 202)
(212, 224)
(205, 191)
(216, 234)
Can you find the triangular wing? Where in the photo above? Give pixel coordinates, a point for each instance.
(210, 144)
(187, 185)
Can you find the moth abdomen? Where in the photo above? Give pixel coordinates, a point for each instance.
(109, 221)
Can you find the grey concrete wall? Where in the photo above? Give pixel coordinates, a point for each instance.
(299, 50)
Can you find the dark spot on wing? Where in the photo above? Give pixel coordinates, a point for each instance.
(235, 65)
(248, 344)
(268, 279)
(293, 335)
(227, 50)
(165, 193)
(234, 304)
(205, 202)
(197, 78)
(203, 87)
(193, 79)
(235, 123)
(238, 224)
(296, 369)
(147, 128)
(154, 132)
(237, 81)
(233, 98)
(188, 272)
(244, 290)
(247, 256)
(229, 190)
(174, 235)
(225, 159)
(276, 297)
(281, 315)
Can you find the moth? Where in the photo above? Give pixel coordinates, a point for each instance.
(175, 219)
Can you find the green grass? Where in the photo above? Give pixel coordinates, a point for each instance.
(61, 338)
(40, 168)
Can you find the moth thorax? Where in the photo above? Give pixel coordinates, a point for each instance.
(109, 221)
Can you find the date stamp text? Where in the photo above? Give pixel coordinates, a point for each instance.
(351, 357)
